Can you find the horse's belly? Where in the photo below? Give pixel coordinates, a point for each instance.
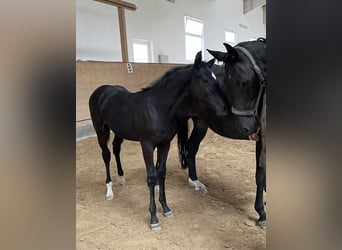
(139, 122)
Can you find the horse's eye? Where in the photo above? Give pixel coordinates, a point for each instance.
(244, 84)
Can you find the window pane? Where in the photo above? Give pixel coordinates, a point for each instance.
(140, 52)
(193, 44)
(230, 37)
(193, 27)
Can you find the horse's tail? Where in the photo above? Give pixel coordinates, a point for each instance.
(182, 137)
(95, 101)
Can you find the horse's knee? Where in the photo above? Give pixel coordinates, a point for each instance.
(192, 150)
(116, 148)
(106, 155)
(162, 172)
(151, 179)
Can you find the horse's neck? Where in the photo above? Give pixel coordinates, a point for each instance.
(171, 93)
(182, 107)
(259, 54)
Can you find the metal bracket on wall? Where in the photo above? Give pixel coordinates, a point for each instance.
(129, 68)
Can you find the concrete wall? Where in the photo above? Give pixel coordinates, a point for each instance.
(162, 22)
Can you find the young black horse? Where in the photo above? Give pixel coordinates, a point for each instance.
(153, 117)
(242, 79)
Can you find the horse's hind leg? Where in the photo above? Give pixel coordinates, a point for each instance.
(161, 171)
(103, 137)
(116, 150)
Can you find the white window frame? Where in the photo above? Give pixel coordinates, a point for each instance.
(232, 43)
(148, 43)
(189, 34)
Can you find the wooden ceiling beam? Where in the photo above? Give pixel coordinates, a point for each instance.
(119, 3)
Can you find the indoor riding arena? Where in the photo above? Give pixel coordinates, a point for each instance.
(133, 44)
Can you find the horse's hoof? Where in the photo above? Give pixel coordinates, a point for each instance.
(199, 187)
(121, 180)
(168, 214)
(109, 194)
(261, 224)
(155, 227)
(156, 188)
(109, 197)
(201, 190)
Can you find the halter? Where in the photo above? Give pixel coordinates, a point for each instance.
(262, 81)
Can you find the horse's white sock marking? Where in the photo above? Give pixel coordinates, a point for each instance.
(199, 187)
(121, 180)
(109, 195)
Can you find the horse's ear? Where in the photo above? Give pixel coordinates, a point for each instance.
(221, 56)
(261, 39)
(211, 63)
(198, 59)
(232, 53)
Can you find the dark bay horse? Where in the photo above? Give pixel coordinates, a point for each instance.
(153, 116)
(242, 80)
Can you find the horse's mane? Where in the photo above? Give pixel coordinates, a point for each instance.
(260, 42)
(164, 78)
(254, 46)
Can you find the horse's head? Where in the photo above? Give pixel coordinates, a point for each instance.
(242, 82)
(205, 90)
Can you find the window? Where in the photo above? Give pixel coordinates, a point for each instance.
(230, 37)
(193, 37)
(142, 50)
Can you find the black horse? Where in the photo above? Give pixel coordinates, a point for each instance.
(153, 116)
(242, 80)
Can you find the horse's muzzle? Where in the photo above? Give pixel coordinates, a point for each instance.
(248, 125)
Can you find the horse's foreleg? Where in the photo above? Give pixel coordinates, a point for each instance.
(260, 178)
(148, 149)
(197, 135)
(116, 150)
(259, 202)
(161, 171)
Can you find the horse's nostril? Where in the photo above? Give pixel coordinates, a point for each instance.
(247, 130)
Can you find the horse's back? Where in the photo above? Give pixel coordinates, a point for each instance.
(104, 92)
(101, 97)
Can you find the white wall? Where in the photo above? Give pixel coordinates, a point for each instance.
(162, 22)
(97, 31)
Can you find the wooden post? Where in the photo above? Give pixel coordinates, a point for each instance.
(121, 5)
(123, 35)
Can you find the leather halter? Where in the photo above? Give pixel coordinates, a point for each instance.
(262, 81)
